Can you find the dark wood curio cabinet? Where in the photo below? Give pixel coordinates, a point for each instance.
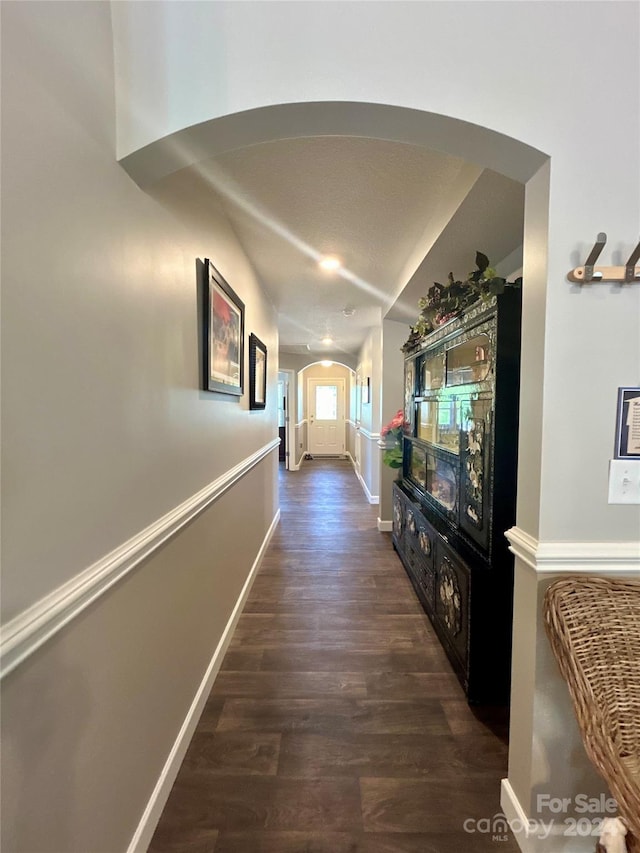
(456, 497)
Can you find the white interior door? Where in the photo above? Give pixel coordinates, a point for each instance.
(326, 416)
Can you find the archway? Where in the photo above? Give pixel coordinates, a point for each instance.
(483, 146)
(186, 148)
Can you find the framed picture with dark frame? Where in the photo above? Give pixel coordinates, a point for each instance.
(628, 424)
(257, 373)
(223, 336)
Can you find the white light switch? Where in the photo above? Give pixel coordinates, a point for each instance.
(624, 481)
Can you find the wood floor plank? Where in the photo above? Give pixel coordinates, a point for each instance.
(233, 754)
(268, 585)
(389, 756)
(331, 715)
(330, 620)
(342, 842)
(294, 563)
(265, 803)
(414, 685)
(346, 608)
(292, 685)
(365, 640)
(183, 839)
(463, 720)
(332, 593)
(242, 659)
(410, 805)
(296, 659)
(333, 542)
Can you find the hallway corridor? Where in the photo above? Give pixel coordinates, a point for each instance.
(335, 723)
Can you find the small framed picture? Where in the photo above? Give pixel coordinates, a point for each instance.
(223, 337)
(628, 424)
(257, 373)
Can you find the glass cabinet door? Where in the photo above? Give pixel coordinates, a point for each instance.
(439, 422)
(432, 376)
(469, 362)
(442, 482)
(428, 420)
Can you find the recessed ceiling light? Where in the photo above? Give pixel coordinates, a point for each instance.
(326, 363)
(327, 340)
(329, 263)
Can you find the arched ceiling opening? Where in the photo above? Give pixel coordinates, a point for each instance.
(400, 196)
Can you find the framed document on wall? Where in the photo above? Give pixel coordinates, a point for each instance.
(628, 424)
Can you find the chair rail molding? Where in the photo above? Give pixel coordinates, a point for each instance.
(30, 629)
(565, 557)
(372, 436)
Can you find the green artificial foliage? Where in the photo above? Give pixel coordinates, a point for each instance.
(393, 457)
(443, 302)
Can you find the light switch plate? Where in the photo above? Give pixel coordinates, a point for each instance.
(624, 481)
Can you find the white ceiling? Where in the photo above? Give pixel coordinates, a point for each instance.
(396, 214)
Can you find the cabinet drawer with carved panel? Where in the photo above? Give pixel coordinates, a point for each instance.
(424, 544)
(414, 540)
(452, 607)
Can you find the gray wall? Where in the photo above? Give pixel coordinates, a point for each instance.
(105, 432)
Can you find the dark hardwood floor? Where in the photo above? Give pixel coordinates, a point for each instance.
(336, 724)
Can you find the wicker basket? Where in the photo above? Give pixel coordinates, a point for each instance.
(593, 625)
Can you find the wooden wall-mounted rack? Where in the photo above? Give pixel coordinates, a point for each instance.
(590, 273)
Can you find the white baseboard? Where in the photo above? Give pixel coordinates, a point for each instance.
(550, 834)
(373, 499)
(515, 815)
(385, 526)
(151, 816)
